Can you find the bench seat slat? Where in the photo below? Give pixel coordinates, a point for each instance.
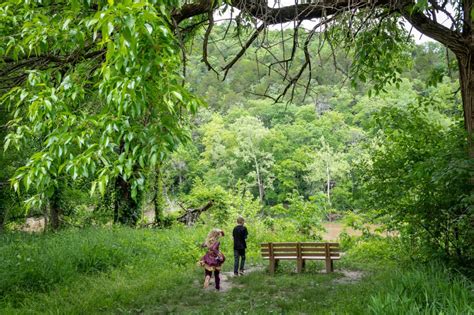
(282, 249)
(279, 249)
(318, 248)
(289, 257)
(303, 250)
(279, 244)
(304, 258)
(319, 255)
(322, 250)
(319, 258)
(313, 254)
(318, 252)
(282, 254)
(286, 244)
(318, 244)
(306, 249)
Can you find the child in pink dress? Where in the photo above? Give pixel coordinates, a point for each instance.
(213, 259)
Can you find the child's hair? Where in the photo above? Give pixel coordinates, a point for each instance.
(213, 236)
(240, 220)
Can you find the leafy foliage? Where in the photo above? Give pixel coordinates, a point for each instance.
(109, 102)
(418, 175)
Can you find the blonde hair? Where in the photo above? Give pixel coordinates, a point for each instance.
(240, 220)
(213, 236)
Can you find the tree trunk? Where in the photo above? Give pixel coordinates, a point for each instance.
(55, 209)
(261, 190)
(126, 208)
(328, 182)
(158, 199)
(3, 214)
(466, 82)
(3, 206)
(45, 216)
(116, 204)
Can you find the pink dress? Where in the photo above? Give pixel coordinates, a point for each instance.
(213, 259)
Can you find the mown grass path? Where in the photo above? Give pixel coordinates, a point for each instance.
(311, 292)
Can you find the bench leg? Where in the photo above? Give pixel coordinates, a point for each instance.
(299, 265)
(272, 266)
(329, 265)
(304, 264)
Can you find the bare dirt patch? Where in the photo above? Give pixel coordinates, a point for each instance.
(350, 276)
(226, 279)
(33, 224)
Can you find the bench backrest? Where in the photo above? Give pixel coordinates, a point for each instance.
(300, 250)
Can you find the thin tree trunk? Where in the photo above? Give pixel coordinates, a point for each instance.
(55, 209)
(466, 80)
(165, 194)
(126, 208)
(3, 206)
(261, 189)
(158, 199)
(328, 182)
(3, 216)
(116, 204)
(45, 215)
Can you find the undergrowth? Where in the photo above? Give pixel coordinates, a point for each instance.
(123, 270)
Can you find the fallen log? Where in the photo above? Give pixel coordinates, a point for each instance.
(190, 216)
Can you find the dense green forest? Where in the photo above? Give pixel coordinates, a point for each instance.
(107, 149)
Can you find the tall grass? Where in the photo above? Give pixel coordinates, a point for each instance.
(123, 270)
(36, 263)
(425, 290)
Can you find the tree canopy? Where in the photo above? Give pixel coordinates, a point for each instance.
(97, 87)
(101, 99)
(374, 30)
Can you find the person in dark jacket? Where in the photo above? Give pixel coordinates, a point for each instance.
(240, 235)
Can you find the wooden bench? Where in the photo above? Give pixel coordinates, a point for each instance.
(300, 251)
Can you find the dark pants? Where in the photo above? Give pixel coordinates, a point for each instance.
(216, 276)
(239, 253)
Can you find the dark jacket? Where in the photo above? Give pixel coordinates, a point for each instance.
(240, 234)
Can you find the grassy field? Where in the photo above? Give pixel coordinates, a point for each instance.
(127, 271)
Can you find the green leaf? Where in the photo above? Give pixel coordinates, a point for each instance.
(93, 186)
(178, 95)
(102, 186)
(149, 28)
(153, 159)
(66, 23)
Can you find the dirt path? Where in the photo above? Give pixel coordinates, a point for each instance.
(349, 276)
(226, 279)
